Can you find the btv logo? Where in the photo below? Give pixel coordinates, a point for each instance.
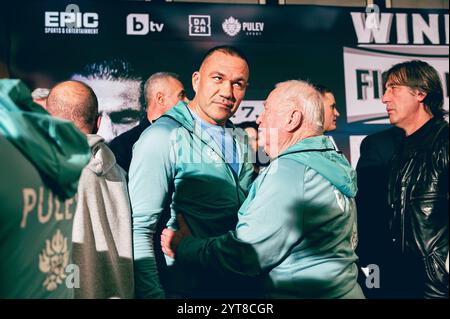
(139, 24)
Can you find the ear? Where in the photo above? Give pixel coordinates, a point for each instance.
(421, 96)
(97, 125)
(159, 98)
(195, 80)
(294, 120)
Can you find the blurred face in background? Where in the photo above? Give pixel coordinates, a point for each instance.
(252, 138)
(118, 105)
(330, 112)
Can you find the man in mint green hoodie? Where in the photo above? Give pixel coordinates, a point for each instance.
(191, 161)
(40, 164)
(297, 227)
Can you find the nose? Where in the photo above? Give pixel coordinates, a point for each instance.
(105, 129)
(386, 97)
(226, 90)
(185, 99)
(259, 118)
(336, 113)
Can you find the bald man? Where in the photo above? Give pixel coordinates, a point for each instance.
(76, 102)
(102, 222)
(162, 91)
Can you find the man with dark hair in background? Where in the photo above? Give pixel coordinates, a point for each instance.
(260, 159)
(329, 106)
(102, 222)
(162, 91)
(330, 110)
(118, 91)
(418, 181)
(40, 164)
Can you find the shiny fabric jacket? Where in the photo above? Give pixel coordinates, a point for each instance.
(418, 195)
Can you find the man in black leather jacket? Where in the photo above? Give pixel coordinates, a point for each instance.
(374, 213)
(418, 181)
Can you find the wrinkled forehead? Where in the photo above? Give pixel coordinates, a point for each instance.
(226, 63)
(329, 98)
(275, 96)
(115, 95)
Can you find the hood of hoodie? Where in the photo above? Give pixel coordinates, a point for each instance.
(55, 147)
(319, 153)
(102, 159)
(181, 113)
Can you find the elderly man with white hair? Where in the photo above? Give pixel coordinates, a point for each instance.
(296, 229)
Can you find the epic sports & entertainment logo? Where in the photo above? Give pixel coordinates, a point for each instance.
(71, 21)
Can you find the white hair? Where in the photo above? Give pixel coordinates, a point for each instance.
(303, 95)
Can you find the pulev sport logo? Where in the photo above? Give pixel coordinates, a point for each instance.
(71, 21)
(233, 26)
(140, 24)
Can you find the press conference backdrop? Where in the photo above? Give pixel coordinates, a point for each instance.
(346, 49)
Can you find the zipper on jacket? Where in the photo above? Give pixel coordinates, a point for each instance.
(222, 156)
(230, 171)
(402, 217)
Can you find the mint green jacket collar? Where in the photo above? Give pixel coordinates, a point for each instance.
(182, 114)
(319, 153)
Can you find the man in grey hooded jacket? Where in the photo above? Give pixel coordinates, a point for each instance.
(102, 222)
(297, 227)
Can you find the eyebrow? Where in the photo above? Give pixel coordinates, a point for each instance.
(242, 79)
(117, 115)
(128, 95)
(392, 83)
(216, 73)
